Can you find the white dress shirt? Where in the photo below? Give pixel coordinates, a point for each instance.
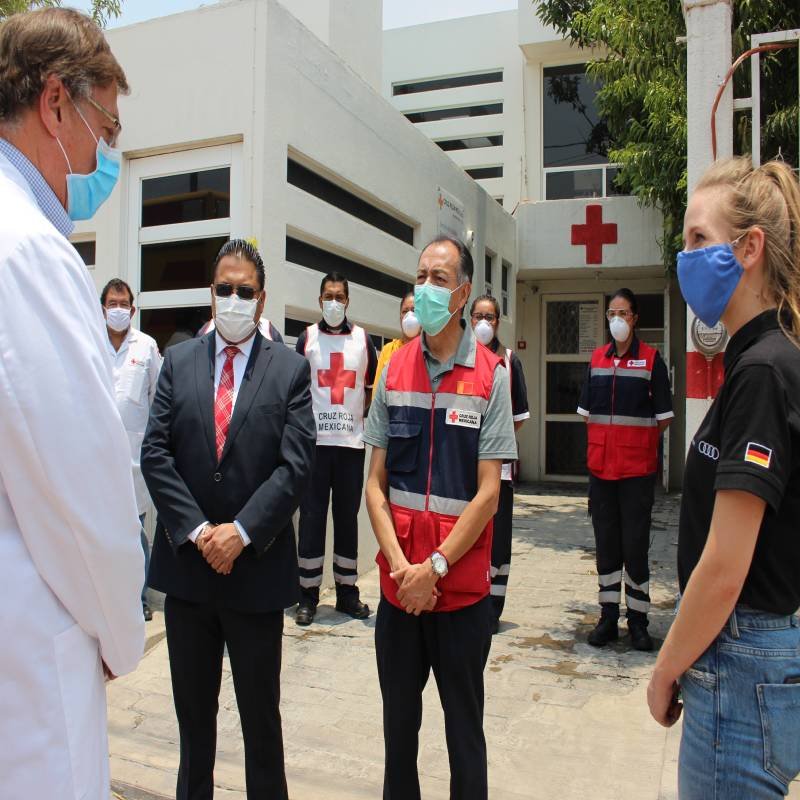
(239, 364)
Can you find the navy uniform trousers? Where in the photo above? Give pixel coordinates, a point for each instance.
(338, 477)
(621, 512)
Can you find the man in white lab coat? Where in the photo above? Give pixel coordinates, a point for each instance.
(70, 559)
(137, 363)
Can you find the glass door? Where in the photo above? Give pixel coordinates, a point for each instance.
(572, 327)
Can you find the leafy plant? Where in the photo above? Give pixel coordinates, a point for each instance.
(102, 10)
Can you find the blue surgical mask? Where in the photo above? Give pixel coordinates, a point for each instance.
(432, 307)
(86, 193)
(708, 278)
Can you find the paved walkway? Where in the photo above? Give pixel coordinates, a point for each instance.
(563, 720)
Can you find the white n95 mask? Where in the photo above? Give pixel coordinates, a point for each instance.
(234, 318)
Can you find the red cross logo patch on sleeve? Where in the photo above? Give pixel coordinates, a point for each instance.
(337, 379)
(758, 454)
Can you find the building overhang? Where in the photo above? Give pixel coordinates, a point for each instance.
(586, 236)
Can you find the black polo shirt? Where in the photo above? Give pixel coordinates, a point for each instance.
(750, 441)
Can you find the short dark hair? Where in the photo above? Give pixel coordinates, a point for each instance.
(626, 294)
(241, 248)
(116, 285)
(492, 300)
(406, 296)
(466, 267)
(335, 277)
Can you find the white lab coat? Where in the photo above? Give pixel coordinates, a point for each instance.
(135, 368)
(70, 559)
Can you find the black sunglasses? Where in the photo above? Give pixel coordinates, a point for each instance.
(226, 290)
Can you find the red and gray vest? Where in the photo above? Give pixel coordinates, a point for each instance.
(432, 466)
(622, 431)
(338, 370)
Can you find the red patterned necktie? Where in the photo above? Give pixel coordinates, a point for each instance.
(223, 405)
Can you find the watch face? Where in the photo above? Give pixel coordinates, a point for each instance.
(439, 564)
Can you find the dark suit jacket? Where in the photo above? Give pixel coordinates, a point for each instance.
(264, 470)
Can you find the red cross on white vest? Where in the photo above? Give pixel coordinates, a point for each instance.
(337, 378)
(594, 234)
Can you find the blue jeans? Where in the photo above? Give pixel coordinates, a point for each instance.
(741, 720)
(146, 548)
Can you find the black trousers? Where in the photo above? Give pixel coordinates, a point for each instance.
(455, 644)
(501, 546)
(196, 636)
(621, 512)
(338, 475)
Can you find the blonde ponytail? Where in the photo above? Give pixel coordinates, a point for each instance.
(767, 197)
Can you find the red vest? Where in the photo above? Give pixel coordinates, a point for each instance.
(622, 431)
(432, 466)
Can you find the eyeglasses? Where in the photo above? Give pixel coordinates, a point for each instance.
(226, 290)
(611, 313)
(488, 317)
(114, 120)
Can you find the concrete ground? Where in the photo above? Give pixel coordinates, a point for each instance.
(563, 720)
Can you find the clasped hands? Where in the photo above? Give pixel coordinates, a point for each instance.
(417, 590)
(220, 545)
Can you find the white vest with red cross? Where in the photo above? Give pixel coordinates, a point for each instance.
(338, 368)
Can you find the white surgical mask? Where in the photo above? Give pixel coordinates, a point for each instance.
(620, 329)
(484, 332)
(410, 324)
(118, 319)
(333, 312)
(235, 318)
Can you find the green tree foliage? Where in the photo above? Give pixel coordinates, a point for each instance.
(102, 10)
(640, 69)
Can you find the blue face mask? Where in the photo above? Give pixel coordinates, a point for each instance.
(432, 307)
(86, 193)
(708, 278)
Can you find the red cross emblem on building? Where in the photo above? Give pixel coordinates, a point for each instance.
(337, 379)
(594, 234)
(454, 417)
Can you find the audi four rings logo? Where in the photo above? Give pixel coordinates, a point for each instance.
(708, 450)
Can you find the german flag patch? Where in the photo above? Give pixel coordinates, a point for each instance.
(758, 454)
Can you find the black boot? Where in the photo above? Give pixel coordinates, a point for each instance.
(604, 632)
(306, 611)
(640, 638)
(349, 602)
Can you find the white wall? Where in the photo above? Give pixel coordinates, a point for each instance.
(482, 43)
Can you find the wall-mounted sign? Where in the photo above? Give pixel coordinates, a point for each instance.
(450, 216)
(708, 340)
(521, 344)
(588, 317)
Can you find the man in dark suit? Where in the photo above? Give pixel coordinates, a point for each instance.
(227, 455)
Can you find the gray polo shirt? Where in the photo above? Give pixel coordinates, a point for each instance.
(496, 439)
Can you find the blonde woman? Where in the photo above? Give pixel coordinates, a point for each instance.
(734, 648)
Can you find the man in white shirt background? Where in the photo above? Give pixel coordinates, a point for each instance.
(137, 363)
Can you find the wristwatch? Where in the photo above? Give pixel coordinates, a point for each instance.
(439, 564)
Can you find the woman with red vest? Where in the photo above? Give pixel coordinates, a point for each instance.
(626, 402)
(485, 315)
